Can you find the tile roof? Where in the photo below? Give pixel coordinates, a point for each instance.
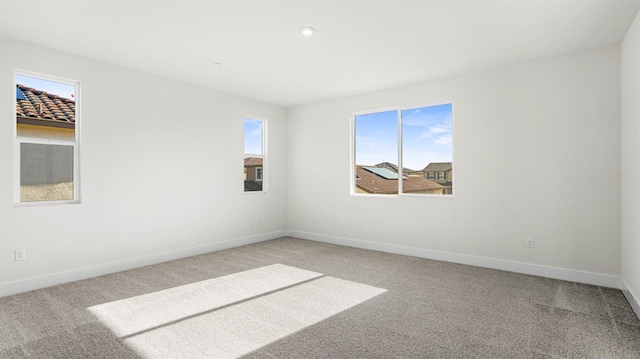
(438, 166)
(252, 161)
(45, 106)
(372, 183)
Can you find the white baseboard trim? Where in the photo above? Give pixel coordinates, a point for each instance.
(29, 284)
(572, 275)
(631, 297)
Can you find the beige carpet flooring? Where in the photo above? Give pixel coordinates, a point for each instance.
(326, 301)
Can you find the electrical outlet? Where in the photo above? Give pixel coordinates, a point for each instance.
(315, 219)
(530, 242)
(258, 220)
(21, 254)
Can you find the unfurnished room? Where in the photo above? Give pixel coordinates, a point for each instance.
(320, 179)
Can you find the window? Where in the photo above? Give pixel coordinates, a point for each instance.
(46, 150)
(254, 155)
(406, 151)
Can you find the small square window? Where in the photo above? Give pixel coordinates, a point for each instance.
(404, 151)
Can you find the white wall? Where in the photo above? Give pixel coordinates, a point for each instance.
(630, 75)
(161, 174)
(537, 153)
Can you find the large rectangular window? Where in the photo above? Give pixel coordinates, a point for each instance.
(255, 163)
(46, 150)
(407, 151)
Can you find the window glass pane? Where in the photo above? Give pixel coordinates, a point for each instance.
(253, 174)
(376, 153)
(46, 172)
(427, 150)
(45, 109)
(253, 137)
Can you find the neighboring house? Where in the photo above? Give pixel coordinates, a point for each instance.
(253, 174)
(381, 180)
(394, 168)
(46, 171)
(440, 172)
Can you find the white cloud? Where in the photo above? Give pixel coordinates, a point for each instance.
(435, 131)
(446, 140)
(415, 122)
(256, 132)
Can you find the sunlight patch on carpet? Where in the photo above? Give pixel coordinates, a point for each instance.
(137, 314)
(236, 328)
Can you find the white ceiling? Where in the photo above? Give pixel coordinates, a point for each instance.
(359, 46)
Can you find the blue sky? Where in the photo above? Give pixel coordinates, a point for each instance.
(377, 138)
(426, 137)
(52, 87)
(253, 136)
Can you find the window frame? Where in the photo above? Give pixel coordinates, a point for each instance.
(399, 109)
(18, 141)
(264, 156)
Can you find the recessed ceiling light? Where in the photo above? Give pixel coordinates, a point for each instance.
(307, 31)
